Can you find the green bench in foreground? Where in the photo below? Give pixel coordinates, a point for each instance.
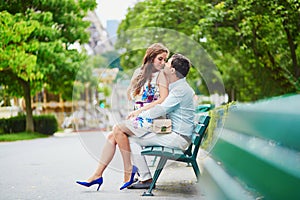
(257, 155)
(189, 156)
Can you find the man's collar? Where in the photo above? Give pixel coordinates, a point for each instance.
(172, 85)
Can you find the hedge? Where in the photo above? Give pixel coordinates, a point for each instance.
(45, 124)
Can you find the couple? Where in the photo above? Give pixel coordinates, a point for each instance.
(159, 88)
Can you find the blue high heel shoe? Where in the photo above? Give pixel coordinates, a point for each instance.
(98, 181)
(134, 170)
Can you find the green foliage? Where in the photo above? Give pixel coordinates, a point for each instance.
(35, 47)
(105, 89)
(44, 124)
(17, 60)
(13, 124)
(163, 14)
(4, 97)
(218, 117)
(140, 39)
(253, 43)
(20, 136)
(259, 39)
(158, 21)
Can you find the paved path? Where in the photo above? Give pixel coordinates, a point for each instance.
(48, 168)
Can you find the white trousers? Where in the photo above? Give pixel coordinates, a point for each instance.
(171, 140)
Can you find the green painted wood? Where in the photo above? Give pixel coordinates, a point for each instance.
(260, 177)
(260, 147)
(276, 119)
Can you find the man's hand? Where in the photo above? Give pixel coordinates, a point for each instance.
(133, 114)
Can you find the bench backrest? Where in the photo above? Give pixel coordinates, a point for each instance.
(198, 134)
(260, 147)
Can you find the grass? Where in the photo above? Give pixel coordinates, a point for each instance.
(20, 136)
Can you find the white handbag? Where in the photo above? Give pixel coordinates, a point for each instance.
(162, 126)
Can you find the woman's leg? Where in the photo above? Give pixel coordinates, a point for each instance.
(121, 139)
(107, 155)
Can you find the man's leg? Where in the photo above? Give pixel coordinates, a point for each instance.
(121, 135)
(171, 140)
(129, 131)
(139, 161)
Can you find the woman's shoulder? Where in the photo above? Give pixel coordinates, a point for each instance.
(161, 78)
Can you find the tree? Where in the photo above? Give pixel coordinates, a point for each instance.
(171, 23)
(35, 46)
(260, 40)
(253, 42)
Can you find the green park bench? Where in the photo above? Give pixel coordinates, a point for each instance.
(201, 109)
(204, 108)
(257, 155)
(189, 156)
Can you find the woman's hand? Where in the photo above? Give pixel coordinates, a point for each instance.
(133, 114)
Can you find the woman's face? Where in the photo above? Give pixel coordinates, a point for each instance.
(159, 61)
(168, 67)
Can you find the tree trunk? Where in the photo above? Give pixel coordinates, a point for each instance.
(292, 51)
(232, 96)
(27, 97)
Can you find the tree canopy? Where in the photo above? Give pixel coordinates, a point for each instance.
(35, 52)
(254, 43)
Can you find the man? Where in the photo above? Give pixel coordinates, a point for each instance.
(178, 106)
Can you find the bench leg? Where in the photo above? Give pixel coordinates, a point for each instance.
(196, 169)
(158, 170)
(153, 162)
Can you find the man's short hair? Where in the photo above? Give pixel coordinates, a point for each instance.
(181, 64)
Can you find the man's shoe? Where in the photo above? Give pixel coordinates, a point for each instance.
(140, 185)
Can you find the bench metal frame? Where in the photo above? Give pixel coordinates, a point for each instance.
(189, 156)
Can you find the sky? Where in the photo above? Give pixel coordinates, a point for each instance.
(113, 9)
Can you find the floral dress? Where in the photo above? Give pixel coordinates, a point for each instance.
(148, 95)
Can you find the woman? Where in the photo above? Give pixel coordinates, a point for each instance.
(148, 87)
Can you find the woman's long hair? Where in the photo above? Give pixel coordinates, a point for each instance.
(147, 67)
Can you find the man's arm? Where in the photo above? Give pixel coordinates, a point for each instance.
(169, 104)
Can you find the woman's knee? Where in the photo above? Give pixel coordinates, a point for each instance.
(116, 130)
(111, 138)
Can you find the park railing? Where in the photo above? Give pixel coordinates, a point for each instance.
(257, 155)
